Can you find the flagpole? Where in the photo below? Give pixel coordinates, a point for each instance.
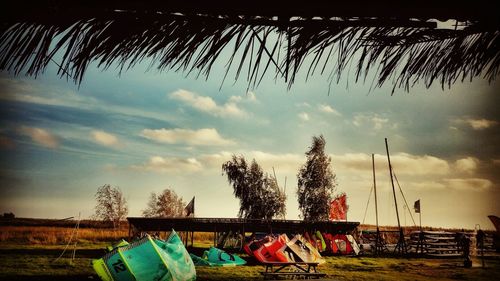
(420, 217)
(418, 210)
(421, 233)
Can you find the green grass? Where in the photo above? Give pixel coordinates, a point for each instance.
(43, 265)
(370, 268)
(37, 262)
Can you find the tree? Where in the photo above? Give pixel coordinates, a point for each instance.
(277, 207)
(8, 216)
(165, 204)
(316, 183)
(260, 196)
(111, 205)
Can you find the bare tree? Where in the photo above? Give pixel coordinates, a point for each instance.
(275, 200)
(316, 183)
(165, 204)
(111, 205)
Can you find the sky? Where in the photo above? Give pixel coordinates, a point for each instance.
(145, 130)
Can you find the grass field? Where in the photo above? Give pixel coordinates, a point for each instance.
(39, 263)
(30, 253)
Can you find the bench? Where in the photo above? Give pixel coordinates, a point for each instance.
(289, 270)
(306, 275)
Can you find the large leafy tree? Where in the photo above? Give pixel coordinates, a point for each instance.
(111, 204)
(259, 194)
(165, 204)
(316, 183)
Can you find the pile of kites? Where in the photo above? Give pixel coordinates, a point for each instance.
(306, 248)
(154, 259)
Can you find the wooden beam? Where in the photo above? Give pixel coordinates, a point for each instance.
(217, 225)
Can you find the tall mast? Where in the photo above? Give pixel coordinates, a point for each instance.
(392, 182)
(375, 189)
(401, 246)
(377, 237)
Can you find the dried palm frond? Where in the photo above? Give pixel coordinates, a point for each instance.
(401, 51)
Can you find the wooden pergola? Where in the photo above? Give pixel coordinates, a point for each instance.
(235, 225)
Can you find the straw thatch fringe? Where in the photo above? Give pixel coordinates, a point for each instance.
(402, 52)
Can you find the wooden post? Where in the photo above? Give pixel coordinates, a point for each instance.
(242, 236)
(420, 217)
(215, 237)
(421, 236)
(76, 236)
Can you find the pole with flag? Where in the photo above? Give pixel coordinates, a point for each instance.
(420, 244)
(189, 209)
(416, 206)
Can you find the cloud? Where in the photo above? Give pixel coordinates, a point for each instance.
(481, 124)
(37, 93)
(179, 165)
(215, 160)
(476, 124)
(352, 161)
(250, 97)
(281, 162)
(286, 162)
(402, 163)
(170, 165)
(426, 185)
(415, 172)
(374, 121)
(472, 184)
(40, 136)
(208, 105)
(358, 164)
(328, 109)
(205, 137)
(419, 164)
(419, 173)
(104, 138)
(303, 104)
(303, 116)
(467, 165)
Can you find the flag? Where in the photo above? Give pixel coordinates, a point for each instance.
(416, 206)
(189, 209)
(338, 208)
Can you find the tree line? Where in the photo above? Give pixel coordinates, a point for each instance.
(112, 206)
(260, 196)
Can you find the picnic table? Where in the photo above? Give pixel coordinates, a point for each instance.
(290, 270)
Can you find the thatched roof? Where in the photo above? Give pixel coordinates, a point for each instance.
(398, 42)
